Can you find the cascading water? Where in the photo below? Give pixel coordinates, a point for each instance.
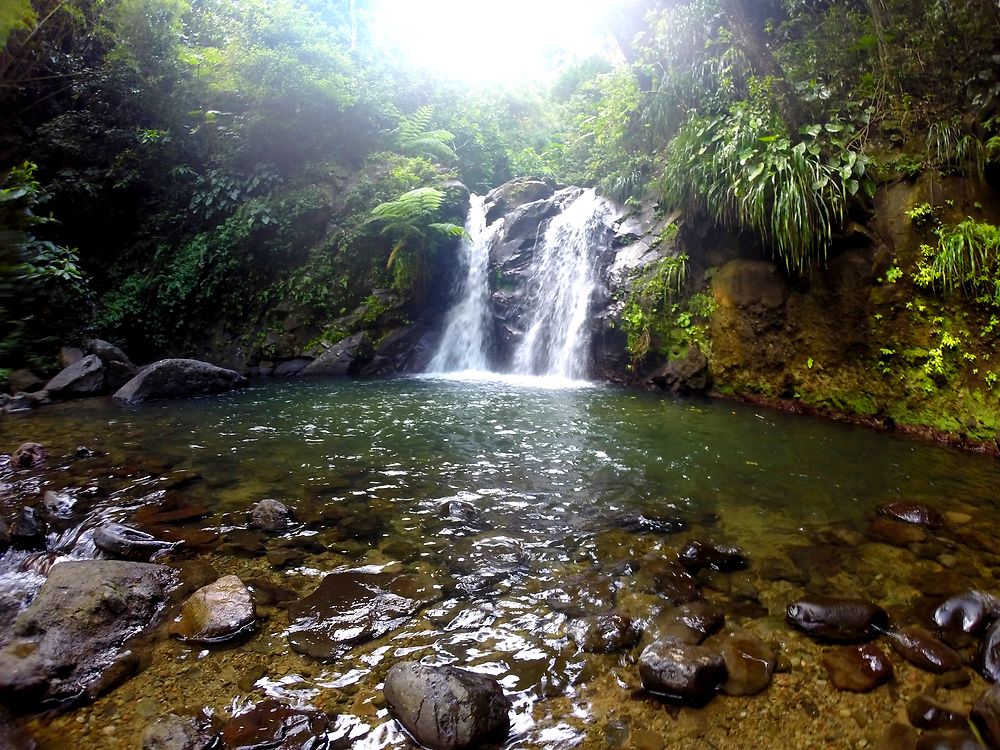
(466, 335)
(561, 285)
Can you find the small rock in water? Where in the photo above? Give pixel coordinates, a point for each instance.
(459, 511)
(446, 708)
(698, 554)
(216, 613)
(605, 634)
(954, 740)
(895, 533)
(926, 713)
(988, 658)
(923, 650)
(650, 523)
(28, 531)
(174, 732)
(28, 455)
(749, 662)
(985, 716)
(270, 515)
(273, 725)
(969, 612)
(59, 504)
(680, 671)
(584, 594)
(898, 736)
(836, 619)
(127, 543)
(671, 580)
(857, 669)
(690, 623)
(913, 513)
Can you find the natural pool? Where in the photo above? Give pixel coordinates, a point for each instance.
(519, 501)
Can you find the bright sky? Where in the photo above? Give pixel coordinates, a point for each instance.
(500, 41)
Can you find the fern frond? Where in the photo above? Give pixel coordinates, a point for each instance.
(448, 229)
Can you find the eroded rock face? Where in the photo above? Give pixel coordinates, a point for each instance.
(445, 708)
(346, 357)
(836, 619)
(215, 613)
(680, 671)
(355, 606)
(69, 643)
(179, 378)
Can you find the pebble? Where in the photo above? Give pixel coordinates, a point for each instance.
(857, 669)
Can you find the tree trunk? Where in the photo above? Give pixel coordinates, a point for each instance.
(754, 46)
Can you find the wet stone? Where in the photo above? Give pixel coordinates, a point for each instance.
(171, 510)
(836, 619)
(691, 622)
(355, 606)
(446, 708)
(969, 612)
(680, 671)
(126, 543)
(605, 634)
(267, 594)
(216, 613)
(650, 523)
(913, 513)
(750, 662)
(953, 740)
(28, 530)
(898, 736)
(926, 713)
(953, 680)
(460, 511)
(4, 536)
(780, 569)
(988, 658)
(584, 594)
(174, 732)
(58, 504)
(697, 555)
(985, 716)
(895, 533)
(669, 579)
(28, 456)
(244, 542)
(270, 515)
(923, 650)
(283, 556)
(857, 669)
(273, 725)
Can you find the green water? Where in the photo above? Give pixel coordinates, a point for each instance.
(549, 474)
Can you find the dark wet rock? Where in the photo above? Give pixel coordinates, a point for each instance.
(699, 554)
(179, 378)
(4, 536)
(895, 533)
(959, 678)
(20, 402)
(172, 509)
(988, 658)
(671, 580)
(174, 732)
(283, 556)
(985, 715)
(926, 713)
(825, 559)
(71, 641)
(939, 583)
(445, 708)
(687, 374)
(650, 523)
(291, 367)
(969, 612)
(85, 378)
(584, 594)
(681, 671)
(923, 650)
(24, 381)
(750, 662)
(13, 737)
(59, 504)
(267, 594)
(270, 515)
(481, 564)
(513, 194)
(405, 349)
(28, 456)
(275, 726)
(216, 613)
(690, 623)
(461, 512)
(953, 740)
(355, 606)
(346, 357)
(857, 669)
(28, 530)
(605, 634)
(126, 543)
(913, 513)
(108, 352)
(836, 619)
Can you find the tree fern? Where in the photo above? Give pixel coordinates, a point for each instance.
(409, 220)
(416, 137)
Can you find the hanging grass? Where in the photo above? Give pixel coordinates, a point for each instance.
(736, 170)
(967, 257)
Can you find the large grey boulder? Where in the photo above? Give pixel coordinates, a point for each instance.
(85, 378)
(179, 378)
(346, 357)
(445, 708)
(71, 642)
(118, 367)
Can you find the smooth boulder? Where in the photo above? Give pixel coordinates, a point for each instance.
(837, 619)
(681, 671)
(971, 611)
(923, 650)
(750, 663)
(71, 641)
(179, 378)
(445, 708)
(85, 378)
(215, 613)
(913, 513)
(697, 555)
(857, 669)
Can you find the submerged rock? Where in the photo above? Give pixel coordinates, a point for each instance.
(275, 726)
(650, 523)
(857, 669)
(926, 713)
(699, 554)
(953, 740)
(179, 378)
(28, 456)
(895, 533)
(127, 543)
(270, 515)
(584, 594)
(28, 530)
(837, 619)
(59, 504)
(988, 658)
(923, 650)
(70, 641)
(355, 606)
(215, 613)
(969, 612)
(605, 634)
(671, 580)
(446, 708)
(913, 513)
(985, 715)
(691, 622)
(750, 662)
(681, 671)
(175, 732)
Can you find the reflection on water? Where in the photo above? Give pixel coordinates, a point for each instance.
(510, 493)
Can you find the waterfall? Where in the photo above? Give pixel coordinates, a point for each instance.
(561, 285)
(466, 336)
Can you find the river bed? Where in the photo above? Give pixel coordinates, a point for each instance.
(520, 501)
